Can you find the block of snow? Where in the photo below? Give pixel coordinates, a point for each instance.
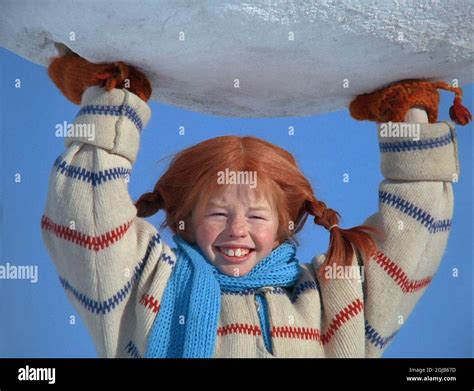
(258, 59)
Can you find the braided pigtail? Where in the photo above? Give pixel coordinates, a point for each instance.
(149, 203)
(342, 242)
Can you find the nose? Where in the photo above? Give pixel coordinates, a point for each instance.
(238, 227)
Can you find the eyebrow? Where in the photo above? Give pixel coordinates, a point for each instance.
(264, 208)
(254, 208)
(214, 204)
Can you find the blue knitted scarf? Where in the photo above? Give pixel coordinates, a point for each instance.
(186, 325)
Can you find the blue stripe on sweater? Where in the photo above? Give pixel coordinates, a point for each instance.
(423, 217)
(304, 286)
(244, 292)
(409, 145)
(132, 350)
(298, 290)
(95, 178)
(111, 303)
(117, 111)
(375, 338)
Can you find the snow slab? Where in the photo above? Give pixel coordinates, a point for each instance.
(287, 58)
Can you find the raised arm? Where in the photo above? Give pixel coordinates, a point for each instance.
(415, 212)
(106, 256)
(418, 161)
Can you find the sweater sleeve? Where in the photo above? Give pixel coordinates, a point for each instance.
(415, 212)
(106, 257)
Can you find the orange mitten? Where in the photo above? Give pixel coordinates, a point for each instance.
(73, 74)
(393, 101)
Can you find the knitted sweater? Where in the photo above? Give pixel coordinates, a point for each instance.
(115, 266)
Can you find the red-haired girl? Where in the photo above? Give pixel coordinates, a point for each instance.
(232, 286)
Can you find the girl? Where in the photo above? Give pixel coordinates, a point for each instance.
(232, 286)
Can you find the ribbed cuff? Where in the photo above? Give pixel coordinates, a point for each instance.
(110, 120)
(418, 152)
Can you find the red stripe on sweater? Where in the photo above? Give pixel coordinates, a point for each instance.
(304, 333)
(342, 317)
(95, 243)
(313, 334)
(234, 328)
(150, 302)
(399, 276)
(307, 333)
(239, 328)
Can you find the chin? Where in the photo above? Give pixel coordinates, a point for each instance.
(229, 270)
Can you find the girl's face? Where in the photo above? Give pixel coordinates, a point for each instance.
(235, 230)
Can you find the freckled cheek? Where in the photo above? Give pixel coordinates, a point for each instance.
(207, 232)
(264, 237)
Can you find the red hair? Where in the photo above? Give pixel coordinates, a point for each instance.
(192, 178)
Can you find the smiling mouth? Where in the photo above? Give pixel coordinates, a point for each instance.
(237, 256)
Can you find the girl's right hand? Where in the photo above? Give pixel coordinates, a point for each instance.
(73, 74)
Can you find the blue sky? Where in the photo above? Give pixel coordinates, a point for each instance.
(36, 317)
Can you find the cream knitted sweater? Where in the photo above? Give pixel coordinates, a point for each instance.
(114, 266)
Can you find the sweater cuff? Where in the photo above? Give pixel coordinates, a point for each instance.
(418, 152)
(111, 120)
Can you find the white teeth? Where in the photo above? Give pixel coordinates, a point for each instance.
(239, 252)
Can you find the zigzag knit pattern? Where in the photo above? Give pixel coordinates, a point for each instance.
(94, 178)
(346, 314)
(115, 111)
(150, 302)
(303, 287)
(168, 259)
(298, 290)
(303, 333)
(406, 284)
(132, 350)
(239, 328)
(105, 306)
(423, 217)
(375, 338)
(95, 243)
(410, 145)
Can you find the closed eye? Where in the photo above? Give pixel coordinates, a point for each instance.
(258, 217)
(218, 214)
